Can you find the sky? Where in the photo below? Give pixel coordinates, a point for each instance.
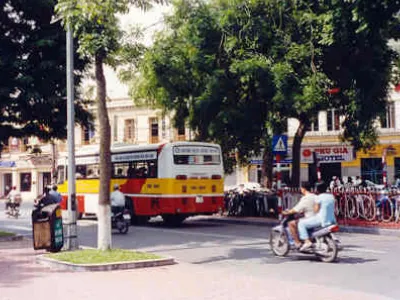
(152, 21)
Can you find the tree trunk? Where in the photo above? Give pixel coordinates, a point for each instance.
(296, 150)
(104, 211)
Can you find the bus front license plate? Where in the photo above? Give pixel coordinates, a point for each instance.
(199, 199)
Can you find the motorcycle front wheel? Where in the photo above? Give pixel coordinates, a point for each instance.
(279, 243)
(330, 252)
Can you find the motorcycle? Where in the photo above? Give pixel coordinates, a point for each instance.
(324, 246)
(13, 209)
(120, 220)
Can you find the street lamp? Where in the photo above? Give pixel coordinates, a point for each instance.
(71, 231)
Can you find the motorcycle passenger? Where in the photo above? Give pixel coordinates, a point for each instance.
(117, 200)
(325, 214)
(305, 206)
(55, 194)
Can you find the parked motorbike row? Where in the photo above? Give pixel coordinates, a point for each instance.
(251, 203)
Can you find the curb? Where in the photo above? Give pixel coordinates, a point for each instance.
(11, 238)
(343, 228)
(65, 266)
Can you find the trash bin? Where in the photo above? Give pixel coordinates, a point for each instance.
(47, 228)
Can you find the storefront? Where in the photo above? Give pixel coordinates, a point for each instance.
(330, 159)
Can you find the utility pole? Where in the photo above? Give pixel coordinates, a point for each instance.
(71, 230)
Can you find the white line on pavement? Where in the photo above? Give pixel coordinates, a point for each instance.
(225, 236)
(364, 250)
(24, 228)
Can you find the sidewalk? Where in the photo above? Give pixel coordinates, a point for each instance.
(355, 226)
(21, 278)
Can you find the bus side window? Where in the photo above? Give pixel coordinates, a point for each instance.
(119, 170)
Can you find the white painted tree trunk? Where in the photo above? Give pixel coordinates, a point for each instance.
(104, 227)
(104, 217)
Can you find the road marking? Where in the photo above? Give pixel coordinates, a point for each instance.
(24, 228)
(225, 236)
(364, 250)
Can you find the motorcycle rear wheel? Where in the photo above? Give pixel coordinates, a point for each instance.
(123, 227)
(279, 243)
(332, 252)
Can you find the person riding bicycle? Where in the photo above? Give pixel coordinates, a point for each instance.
(117, 200)
(325, 214)
(304, 206)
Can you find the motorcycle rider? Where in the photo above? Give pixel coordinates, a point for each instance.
(117, 200)
(14, 198)
(46, 198)
(305, 206)
(325, 214)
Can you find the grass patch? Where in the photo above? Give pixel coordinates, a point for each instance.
(94, 256)
(6, 234)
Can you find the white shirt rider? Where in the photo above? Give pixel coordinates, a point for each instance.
(117, 197)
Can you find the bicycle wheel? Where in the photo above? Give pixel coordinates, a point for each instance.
(369, 208)
(342, 207)
(351, 208)
(387, 211)
(337, 210)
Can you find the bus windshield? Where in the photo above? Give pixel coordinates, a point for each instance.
(196, 155)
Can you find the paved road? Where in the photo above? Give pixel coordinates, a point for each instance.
(368, 264)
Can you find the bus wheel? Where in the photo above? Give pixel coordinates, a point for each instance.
(173, 220)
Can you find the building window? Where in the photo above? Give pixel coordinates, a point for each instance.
(313, 126)
(115, 129)
(180, 133)
(333, 120)
(129, 131)
(87, 135)
(26, 182)
(387, 120)
(153, 130)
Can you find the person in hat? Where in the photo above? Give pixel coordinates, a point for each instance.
(117, 199)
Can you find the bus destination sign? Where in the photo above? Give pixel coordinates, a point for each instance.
(135, 156)
(188, 150)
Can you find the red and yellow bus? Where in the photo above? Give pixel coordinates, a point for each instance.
(172, 180)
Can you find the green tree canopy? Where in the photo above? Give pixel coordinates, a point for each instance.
(239, 69)
(33, 64)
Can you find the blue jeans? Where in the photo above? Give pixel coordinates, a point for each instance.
(308, 223)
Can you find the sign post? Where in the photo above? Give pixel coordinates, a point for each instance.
(318, 166)
(279, 147)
